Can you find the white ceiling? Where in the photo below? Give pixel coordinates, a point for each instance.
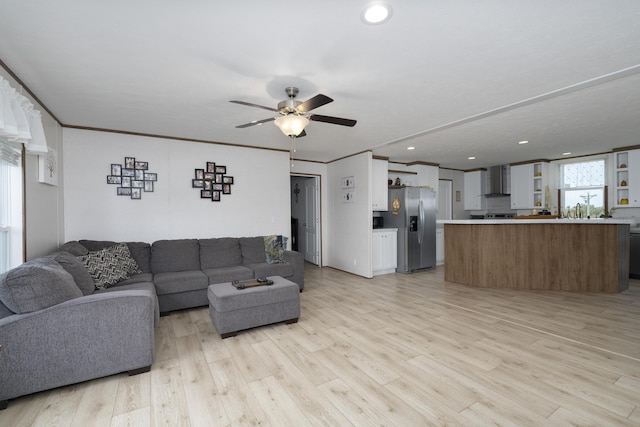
(454, 78)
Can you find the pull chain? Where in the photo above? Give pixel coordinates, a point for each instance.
(293, 148)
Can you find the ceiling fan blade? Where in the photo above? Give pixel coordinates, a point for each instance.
(254, 105)
(315, 102)
(333, 120)
(303, 133)
(256, 122)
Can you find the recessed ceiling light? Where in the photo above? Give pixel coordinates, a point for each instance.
(376, 13)
(523, 142)
(471, 157)
(566, 154)
(411, 148)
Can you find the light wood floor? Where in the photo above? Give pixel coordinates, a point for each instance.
(396, 350)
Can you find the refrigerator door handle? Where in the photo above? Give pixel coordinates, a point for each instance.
(420, 221)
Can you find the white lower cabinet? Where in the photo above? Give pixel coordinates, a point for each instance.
(385, 251)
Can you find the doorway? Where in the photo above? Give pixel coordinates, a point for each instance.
(305, 217)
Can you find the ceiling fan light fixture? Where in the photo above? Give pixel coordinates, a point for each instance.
(291, 124)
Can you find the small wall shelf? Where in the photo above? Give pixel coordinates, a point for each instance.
(627, 173)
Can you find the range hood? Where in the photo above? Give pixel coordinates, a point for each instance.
(499, 181)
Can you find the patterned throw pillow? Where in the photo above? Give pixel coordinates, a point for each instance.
(274, 247)
(110, 265)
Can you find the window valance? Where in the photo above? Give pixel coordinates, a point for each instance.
(19, 122)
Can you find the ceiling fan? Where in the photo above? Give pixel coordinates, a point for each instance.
(294, 115)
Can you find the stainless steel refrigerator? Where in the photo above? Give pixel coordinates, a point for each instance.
(412, 210)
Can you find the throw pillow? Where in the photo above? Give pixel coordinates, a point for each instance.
(35, 285)
(110, 265)
(274, 247)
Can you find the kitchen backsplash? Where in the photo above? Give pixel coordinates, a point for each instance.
(499, 204)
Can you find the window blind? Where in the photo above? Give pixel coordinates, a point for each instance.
(9, 153)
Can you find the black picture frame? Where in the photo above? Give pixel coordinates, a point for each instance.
(212, 181)
(132, 179)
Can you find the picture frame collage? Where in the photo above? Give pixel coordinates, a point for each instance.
(212, 181)
(132, 178)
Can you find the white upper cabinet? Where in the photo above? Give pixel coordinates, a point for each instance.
(475, 188)
(528, 184)
(522, 186)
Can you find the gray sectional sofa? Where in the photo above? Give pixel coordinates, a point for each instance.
(57, 329)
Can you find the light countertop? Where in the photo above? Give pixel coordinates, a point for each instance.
(630, 221)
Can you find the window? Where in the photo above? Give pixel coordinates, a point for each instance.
(583, 183)
(10, 207)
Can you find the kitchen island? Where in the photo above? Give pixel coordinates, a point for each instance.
(578, 255)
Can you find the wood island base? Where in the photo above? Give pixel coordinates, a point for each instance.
(550, 255)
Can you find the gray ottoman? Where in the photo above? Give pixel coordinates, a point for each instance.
(234, 310)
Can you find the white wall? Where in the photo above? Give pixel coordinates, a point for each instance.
(259, 202)
(351, 223)
(44, 210)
